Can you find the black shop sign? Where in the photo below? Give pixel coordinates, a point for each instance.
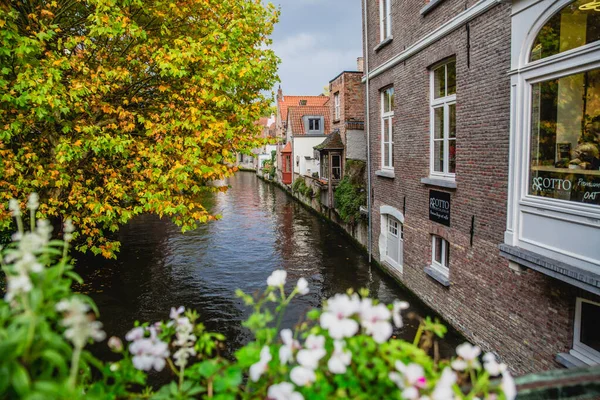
(439, 207)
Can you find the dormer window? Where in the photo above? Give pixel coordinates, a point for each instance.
(302, 102)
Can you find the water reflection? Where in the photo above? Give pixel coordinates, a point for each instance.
(262, 229)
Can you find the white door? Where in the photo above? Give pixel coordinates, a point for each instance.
(394, 246)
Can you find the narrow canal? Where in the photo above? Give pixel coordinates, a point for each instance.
(262, 229)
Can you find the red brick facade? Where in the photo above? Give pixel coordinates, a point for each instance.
(351, 91)
(525, 317)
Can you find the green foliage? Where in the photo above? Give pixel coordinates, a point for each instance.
(111, 109)
(300, 186)
(348, 199)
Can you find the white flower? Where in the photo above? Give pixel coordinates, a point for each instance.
(375, 320)
(492, 366)
(336, 316)
(289, 345)
(17, 285)
(257, 369)
(340, 359)
(80, 326)
(443, 388)
(302, 376)
(28, 263)
(44, 230)
(135, 334)
(182, 355)
(396, 316)
(149, 353)
(314, 350)
(468, 357)
(302, 286)
(410, 378)
(33, 202)
(68, 229)
(277, 278)
(508, 386)
(176, 312)
(283, 391)
(13, 206)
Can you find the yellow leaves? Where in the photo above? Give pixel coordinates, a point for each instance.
(2, 23)
(163, 88)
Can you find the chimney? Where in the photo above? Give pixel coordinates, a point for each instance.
(279, 94)
(360, 64)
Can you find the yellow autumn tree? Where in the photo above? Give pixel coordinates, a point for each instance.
(112, 108)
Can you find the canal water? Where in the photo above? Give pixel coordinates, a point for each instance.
(262, 229)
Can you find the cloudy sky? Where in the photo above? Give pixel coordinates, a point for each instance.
(316, 40)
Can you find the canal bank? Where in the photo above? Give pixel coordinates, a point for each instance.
(262, 229)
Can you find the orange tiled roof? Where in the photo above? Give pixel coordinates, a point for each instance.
(296, 114)
(292, 101)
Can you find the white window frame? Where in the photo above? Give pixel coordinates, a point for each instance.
(385, 19)
(387, 116)
(581, 351)
(443, 266)
(581, 220)
(445, 103)
(336, 101)
(318, 130)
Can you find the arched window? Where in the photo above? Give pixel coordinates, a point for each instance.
(574, 26)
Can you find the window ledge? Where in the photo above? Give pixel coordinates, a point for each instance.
(437, 275)
(383, 43)
(569, 361)
(570, 274)
(440, 182)
(385, 173)
(430, 6)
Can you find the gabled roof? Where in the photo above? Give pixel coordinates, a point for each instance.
(333, 141)
(287, 148)
(296, 114)
(293, 101)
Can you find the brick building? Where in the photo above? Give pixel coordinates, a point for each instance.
(496, 242)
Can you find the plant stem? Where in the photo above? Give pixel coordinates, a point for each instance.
(74, 366)
(418, 335)
(181, 369)
(32, 220)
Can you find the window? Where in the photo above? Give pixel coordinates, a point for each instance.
(565, 138)
(586, 341)
(440, 254)
(443, 120)
(385, 16)
(336, 112)
(574, 26)
(336, 167)
(394, 242)
(387, 130)
(313, 124)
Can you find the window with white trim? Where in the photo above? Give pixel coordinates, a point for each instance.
(440, 255)
(387, 128)
(443, 120)
(385, 19)
(586, 337)
(394, 242)
(336, 102)
(314, 124)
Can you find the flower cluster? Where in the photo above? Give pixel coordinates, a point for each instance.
(185, 339)
(80, 324)
(148, 352)
(342, 315)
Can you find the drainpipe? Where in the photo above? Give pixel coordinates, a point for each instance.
(369, 205)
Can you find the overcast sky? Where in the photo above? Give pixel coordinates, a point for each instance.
(316, 40)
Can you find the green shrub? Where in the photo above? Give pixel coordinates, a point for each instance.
(348, 199)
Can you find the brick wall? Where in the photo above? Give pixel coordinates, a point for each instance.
(352, 100)
(525, 318)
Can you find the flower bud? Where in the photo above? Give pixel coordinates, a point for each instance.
(115, 344)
